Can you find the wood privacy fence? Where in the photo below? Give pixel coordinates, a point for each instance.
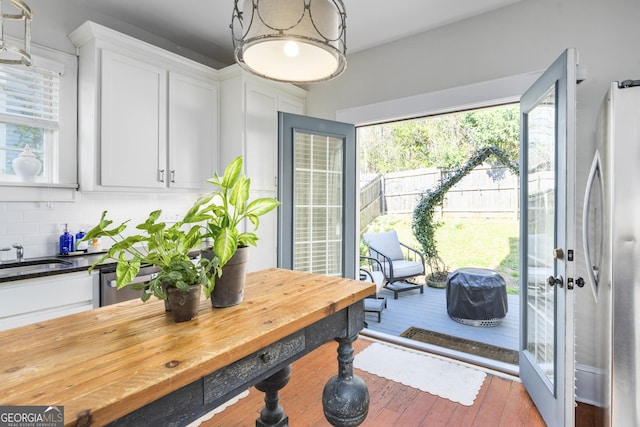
(487, 192)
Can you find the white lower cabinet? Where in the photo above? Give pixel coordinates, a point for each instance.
(24, 302)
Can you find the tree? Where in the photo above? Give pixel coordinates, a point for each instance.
(444, 141)
(424, 224)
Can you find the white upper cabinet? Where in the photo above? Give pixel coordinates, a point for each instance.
(193, 131)
(132, 142)
(249, 112)
(148, 119)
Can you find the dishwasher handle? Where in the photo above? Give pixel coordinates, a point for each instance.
(138, 279)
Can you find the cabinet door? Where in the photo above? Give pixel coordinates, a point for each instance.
(262, 106)
(193, 131)
(133, 136)
(261, 158)
(32, 300)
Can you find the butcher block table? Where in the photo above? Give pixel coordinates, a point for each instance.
(130, 364)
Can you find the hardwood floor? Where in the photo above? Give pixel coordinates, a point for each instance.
(500, 402)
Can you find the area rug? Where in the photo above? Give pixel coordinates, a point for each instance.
(209, 415)
(415, 369)
(460, 344)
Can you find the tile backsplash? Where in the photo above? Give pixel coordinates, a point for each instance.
(38, 225)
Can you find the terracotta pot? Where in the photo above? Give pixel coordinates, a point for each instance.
(229, 289)
(184, 305)
(437, 281)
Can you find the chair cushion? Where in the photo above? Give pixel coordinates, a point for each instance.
(406, 269)
(386, 243)
(378, 279)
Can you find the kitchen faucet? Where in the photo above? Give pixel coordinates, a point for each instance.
(19, 251)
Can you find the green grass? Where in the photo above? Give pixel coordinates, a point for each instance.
(489, 243)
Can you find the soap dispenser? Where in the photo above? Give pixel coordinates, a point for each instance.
(66, 241)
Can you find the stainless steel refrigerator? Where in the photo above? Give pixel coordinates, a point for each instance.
(611, 236)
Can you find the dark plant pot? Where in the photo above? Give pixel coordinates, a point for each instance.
(229, 289)
(184, 305)
(167, 307)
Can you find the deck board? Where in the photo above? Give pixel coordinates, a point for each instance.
(429, 311)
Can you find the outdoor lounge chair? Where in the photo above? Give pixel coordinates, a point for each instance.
(399, 261)
(371, 271)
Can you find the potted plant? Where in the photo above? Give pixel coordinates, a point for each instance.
(168, 247)
(232, 221)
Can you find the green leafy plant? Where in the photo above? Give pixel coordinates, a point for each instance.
(228, 207)
(424, 223)
(217, 215)
(167, 247)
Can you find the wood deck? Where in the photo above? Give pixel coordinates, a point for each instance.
(429, 311)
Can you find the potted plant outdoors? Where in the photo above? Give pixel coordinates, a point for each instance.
(228, 209)
(180, 279)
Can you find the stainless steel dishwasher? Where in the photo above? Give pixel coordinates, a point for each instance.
(109, 294)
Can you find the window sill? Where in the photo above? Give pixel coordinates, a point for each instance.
(37, 192)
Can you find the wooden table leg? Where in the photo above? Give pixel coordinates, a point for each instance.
(272, 415)
(345, 398)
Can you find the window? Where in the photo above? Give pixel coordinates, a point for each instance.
(29, 103)
(39, 107)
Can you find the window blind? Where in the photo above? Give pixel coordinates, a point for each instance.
(29, 96)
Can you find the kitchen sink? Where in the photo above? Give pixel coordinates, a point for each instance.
(29, 266)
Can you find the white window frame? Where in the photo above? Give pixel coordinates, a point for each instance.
(62, 184)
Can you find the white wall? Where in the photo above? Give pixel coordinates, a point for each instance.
(38, 225)
(517, 40)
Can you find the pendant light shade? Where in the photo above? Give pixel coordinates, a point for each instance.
(13, 11)
(296, 41)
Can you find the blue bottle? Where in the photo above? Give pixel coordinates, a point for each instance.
(81, 246)
(66, 241)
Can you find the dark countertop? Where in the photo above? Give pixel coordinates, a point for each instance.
(66, 264)
(61, 264)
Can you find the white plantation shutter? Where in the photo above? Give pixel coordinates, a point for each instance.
(29, 96)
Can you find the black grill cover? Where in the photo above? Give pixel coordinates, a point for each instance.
(476, 294)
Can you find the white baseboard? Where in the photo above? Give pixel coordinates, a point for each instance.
(592, 385)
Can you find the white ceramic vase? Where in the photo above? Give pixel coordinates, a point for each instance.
(26, 165)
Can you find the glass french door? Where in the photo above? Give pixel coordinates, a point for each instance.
(547, 221)
(317, 190)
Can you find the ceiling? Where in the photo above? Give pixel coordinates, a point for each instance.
(203, 26)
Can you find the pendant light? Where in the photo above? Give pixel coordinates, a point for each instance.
(10, 54)
(295, 41)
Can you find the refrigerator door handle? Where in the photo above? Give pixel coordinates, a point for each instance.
(593, 266)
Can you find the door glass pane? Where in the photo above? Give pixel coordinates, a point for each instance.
(318, 200)
(541, 207)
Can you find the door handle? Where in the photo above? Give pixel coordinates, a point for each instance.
(161, 175)
(593, 265)
(553, 281)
